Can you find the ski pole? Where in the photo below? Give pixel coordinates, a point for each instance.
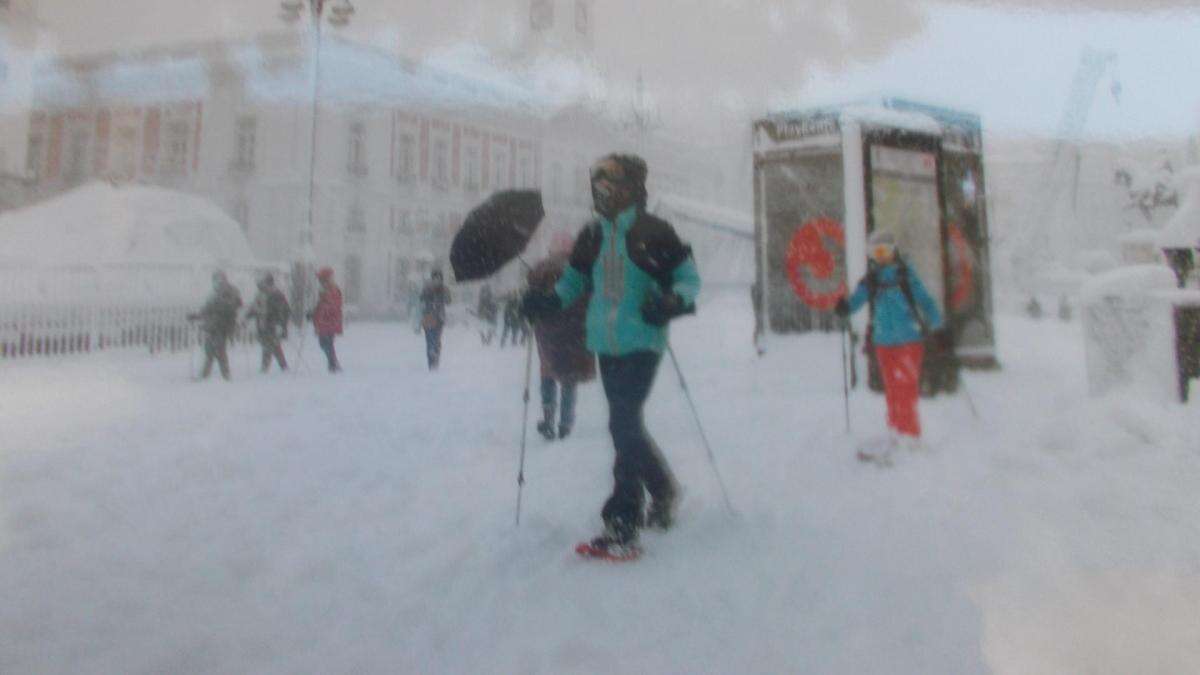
(524, 427)
(962, 385)
(845, 338)
(712, 460)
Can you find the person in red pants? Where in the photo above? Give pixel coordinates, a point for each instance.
(901, 313)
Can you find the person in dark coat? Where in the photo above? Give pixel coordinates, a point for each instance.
(641, 277)
(434, 298)
(327, 317)
(218, 320)
(512, 318)
(562, 350)
(271, 313)
(486, 311)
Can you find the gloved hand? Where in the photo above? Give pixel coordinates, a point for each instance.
(842, 308)
(537, 304)
(657, 310)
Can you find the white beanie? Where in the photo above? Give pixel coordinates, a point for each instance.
(882, 238)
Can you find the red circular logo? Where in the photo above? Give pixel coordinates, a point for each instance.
(962, 269)
(815, 262)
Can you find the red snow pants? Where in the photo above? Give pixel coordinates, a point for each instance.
(900, 366)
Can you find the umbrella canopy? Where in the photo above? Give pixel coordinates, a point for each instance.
(495, 232)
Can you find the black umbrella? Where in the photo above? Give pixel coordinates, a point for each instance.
(495, 232)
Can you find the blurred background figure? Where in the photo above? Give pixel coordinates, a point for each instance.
(561, 342)
(434, 298)
(271, 313)
(218, 320)
(327, 317)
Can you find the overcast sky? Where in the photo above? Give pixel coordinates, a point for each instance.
(710, 66)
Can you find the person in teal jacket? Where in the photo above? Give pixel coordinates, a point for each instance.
(641, 276)
(902, 314)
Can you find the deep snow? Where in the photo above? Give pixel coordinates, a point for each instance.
(364, 522)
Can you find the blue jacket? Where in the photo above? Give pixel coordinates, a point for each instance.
(894, 323)
(620, 284)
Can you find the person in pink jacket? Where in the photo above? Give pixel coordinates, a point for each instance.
(327, 316)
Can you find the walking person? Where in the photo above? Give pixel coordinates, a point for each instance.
(327, 317)
(486, 311)
(562, 350)
(902, 313)
(434, 298)
(512, 319)
(218, 320)
(271, 313)
(641, 276)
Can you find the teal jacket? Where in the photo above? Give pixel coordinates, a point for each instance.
(620, 282)
(894, 320)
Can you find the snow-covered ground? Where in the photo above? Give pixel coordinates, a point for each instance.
(364, 522)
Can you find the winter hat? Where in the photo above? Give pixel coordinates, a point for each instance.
(635, 173)
(882, 238)
(325, 273)
(268, 279)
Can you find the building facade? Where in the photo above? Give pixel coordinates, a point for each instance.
(398, 152)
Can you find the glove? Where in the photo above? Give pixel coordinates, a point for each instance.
(842, 308)
(537, 304)
(657, 310)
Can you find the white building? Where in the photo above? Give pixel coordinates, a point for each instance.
(403, 151)
(19, 42)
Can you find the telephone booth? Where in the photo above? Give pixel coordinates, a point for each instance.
(826, 178)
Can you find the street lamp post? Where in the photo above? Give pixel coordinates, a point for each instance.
(340, 14)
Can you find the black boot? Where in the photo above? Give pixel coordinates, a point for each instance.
(661, 514)
(546, 429)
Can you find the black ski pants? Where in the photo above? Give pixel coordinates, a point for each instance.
(639, 466)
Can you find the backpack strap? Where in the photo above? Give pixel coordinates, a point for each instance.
(906, 288)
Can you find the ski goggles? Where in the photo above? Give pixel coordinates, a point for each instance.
(601, 173)
(882, 251)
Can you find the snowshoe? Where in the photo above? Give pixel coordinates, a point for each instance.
(610, 548)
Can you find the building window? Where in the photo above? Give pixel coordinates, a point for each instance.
(35, 155)
(471, 182)
(124, 159)
(245, 137)
(541, 14)
(500, 171)
(241, 213)
(556, 194)
(407, 166)
(74, 167)
(356, 219)
(353, 279)
(581, 17)
(176, 155)
(526, 172)
(441, 164)
(356, 161)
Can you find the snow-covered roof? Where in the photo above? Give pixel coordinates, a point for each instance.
(102, 224)
(278, 68)
(896, 119)
(1183, 229)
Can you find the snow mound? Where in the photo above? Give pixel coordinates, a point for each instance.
(102, 224)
